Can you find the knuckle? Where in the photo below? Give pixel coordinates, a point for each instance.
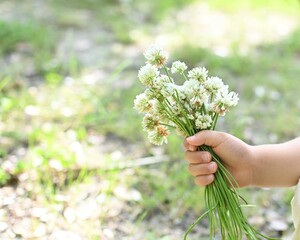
(207, 169)
(199, 181)
(210, 178)
(185, 144)
(215, 167)
(204, 180)
(192, 170)
(187, 156)
(207, 157)
(212, 167)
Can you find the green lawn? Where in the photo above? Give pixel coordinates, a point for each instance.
(67, 87)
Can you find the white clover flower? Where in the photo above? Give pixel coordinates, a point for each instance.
(232, 99)
(178, 67)
(159, 136)
(176, 109)
(147, 74)
(160, 82)
(203, 121)
(188, 107)
(224, 101)
(180, 90)
(209, 107)
(142, 104)
(150, 94)
(198, 100)
(195, 92)
(158, 107)
(213, 84)
(190, 86)
(155, 55)
(167, 90)
(191, 116)
(150, 122)
(159, 111)
(198, 73)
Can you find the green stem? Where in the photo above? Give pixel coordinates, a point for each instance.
(215, 119)
(168, 74)
(195, 223)
(224, 207)
(177, 99)
(165, 124)
(186, 79)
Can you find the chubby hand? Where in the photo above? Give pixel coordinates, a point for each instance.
(201, 165)
(236, 156)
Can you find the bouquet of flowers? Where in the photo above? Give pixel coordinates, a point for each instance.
(189, 108)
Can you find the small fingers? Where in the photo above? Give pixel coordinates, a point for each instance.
(204, 180)
(208, 138)
(198, 157)
(202, 169)
(201, 166)
(189, 147)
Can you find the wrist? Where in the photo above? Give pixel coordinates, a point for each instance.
(255, 167)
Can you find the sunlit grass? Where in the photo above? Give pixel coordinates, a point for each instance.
(64, 112)
(236, 5)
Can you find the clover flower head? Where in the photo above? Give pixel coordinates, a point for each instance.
(150, 94)
(150, 122)
(190, 86)
(213, 84)
(195, 104)
(180, 90)
(160, 82)
(203, 121)
(232, 99)
(195, 92)
(198, 100)
(168, 90)
(209, 107)
(155, 55)
(176, 109)
(189, 108)
(198, 73)
(178, 67)
(147, 74)
(191, 116)
(224, 101)
(142, 104)
(158, 111)
(159, 136)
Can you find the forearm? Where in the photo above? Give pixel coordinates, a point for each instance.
(277, 165)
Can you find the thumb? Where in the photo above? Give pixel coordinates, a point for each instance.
(208, 138)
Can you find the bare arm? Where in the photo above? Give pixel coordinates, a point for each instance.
(271, 165)
(277, 164)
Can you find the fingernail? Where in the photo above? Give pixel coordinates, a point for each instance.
(191, 138)
(192, 148)
(212, 166)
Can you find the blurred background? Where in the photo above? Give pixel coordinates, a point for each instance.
(75, 163)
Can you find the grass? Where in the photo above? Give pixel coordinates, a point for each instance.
(111, 14)
(30, 39)
(235, 5)
(61, 114)
(248, 74)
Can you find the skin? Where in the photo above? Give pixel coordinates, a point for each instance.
(272, 165)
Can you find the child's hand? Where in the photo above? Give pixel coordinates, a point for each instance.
(236, 156)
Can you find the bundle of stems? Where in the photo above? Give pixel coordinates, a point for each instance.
(189, 108)
(224, 206)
